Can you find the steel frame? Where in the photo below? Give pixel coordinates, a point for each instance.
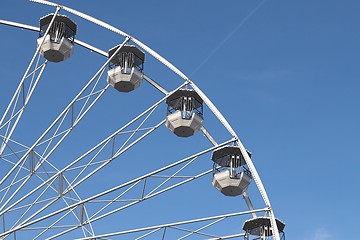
(175, 225)
(56, 133)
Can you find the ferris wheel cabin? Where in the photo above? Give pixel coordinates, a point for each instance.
(259, 228)
(184, 112)
(58, 44)
(126, 68)
(229, 175)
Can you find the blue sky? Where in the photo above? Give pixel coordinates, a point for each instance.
(285, 74)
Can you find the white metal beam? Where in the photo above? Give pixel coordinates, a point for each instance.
(175, 224)
(204, 97)
(56, 126)
(14, 101)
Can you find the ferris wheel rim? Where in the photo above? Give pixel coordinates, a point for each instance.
(187, 80)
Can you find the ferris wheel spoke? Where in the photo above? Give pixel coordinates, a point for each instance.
(4, 200)
(202, 95)
(55, 226)
(112, 190)
(11, 118)
(86, 229)
(141, 192)
(101, 146)
(6, 189)
(178, 225)
(15, 153)
(171, 177)
(128, 202)
(197, 231)
(20, 25)
(111, 139)
(228, 237)
(117, 154)
(21, 90)
(39, 199)
(155, 84)
(79, 217)
(87, 46)
(57, 124)
(6, 158)
(151, 232)
(51, 186)
(26, 208)
(29, 207)
(123, 145)
(36, 196)
(82, 215)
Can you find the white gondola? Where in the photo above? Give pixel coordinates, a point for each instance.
(260, 228)
(185, 112)
(59, 43)
(230, 177)
(25, 212)
(126, 68)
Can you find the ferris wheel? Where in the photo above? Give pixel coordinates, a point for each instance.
(141, 179)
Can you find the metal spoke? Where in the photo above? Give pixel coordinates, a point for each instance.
(176, 224)
(63, 115)
(21, 91)
(32, 185)
(119, 188)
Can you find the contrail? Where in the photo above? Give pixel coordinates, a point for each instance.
(242, 22)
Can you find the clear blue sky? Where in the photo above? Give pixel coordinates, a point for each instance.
(285, 76)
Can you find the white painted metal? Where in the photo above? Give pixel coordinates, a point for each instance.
(29, 222)
(208, 135)
(60, 118)
(249, 162)
(115, 30)
(202, 95)
(13, 102)
(62, 135)
(15, 116)
(161, 123)
(101, 145)
(176, 224)
(40, 200)
(229, 237)
(153, 83)
(20, 25)
(59, 173)
(248, 203)
(197, 231)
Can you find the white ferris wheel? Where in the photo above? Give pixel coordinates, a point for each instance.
(141, 180)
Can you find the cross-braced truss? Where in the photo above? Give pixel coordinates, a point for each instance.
(37, 196)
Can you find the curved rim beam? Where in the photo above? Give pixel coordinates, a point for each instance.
(118, 31)
(204, 97)
(147, 49)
